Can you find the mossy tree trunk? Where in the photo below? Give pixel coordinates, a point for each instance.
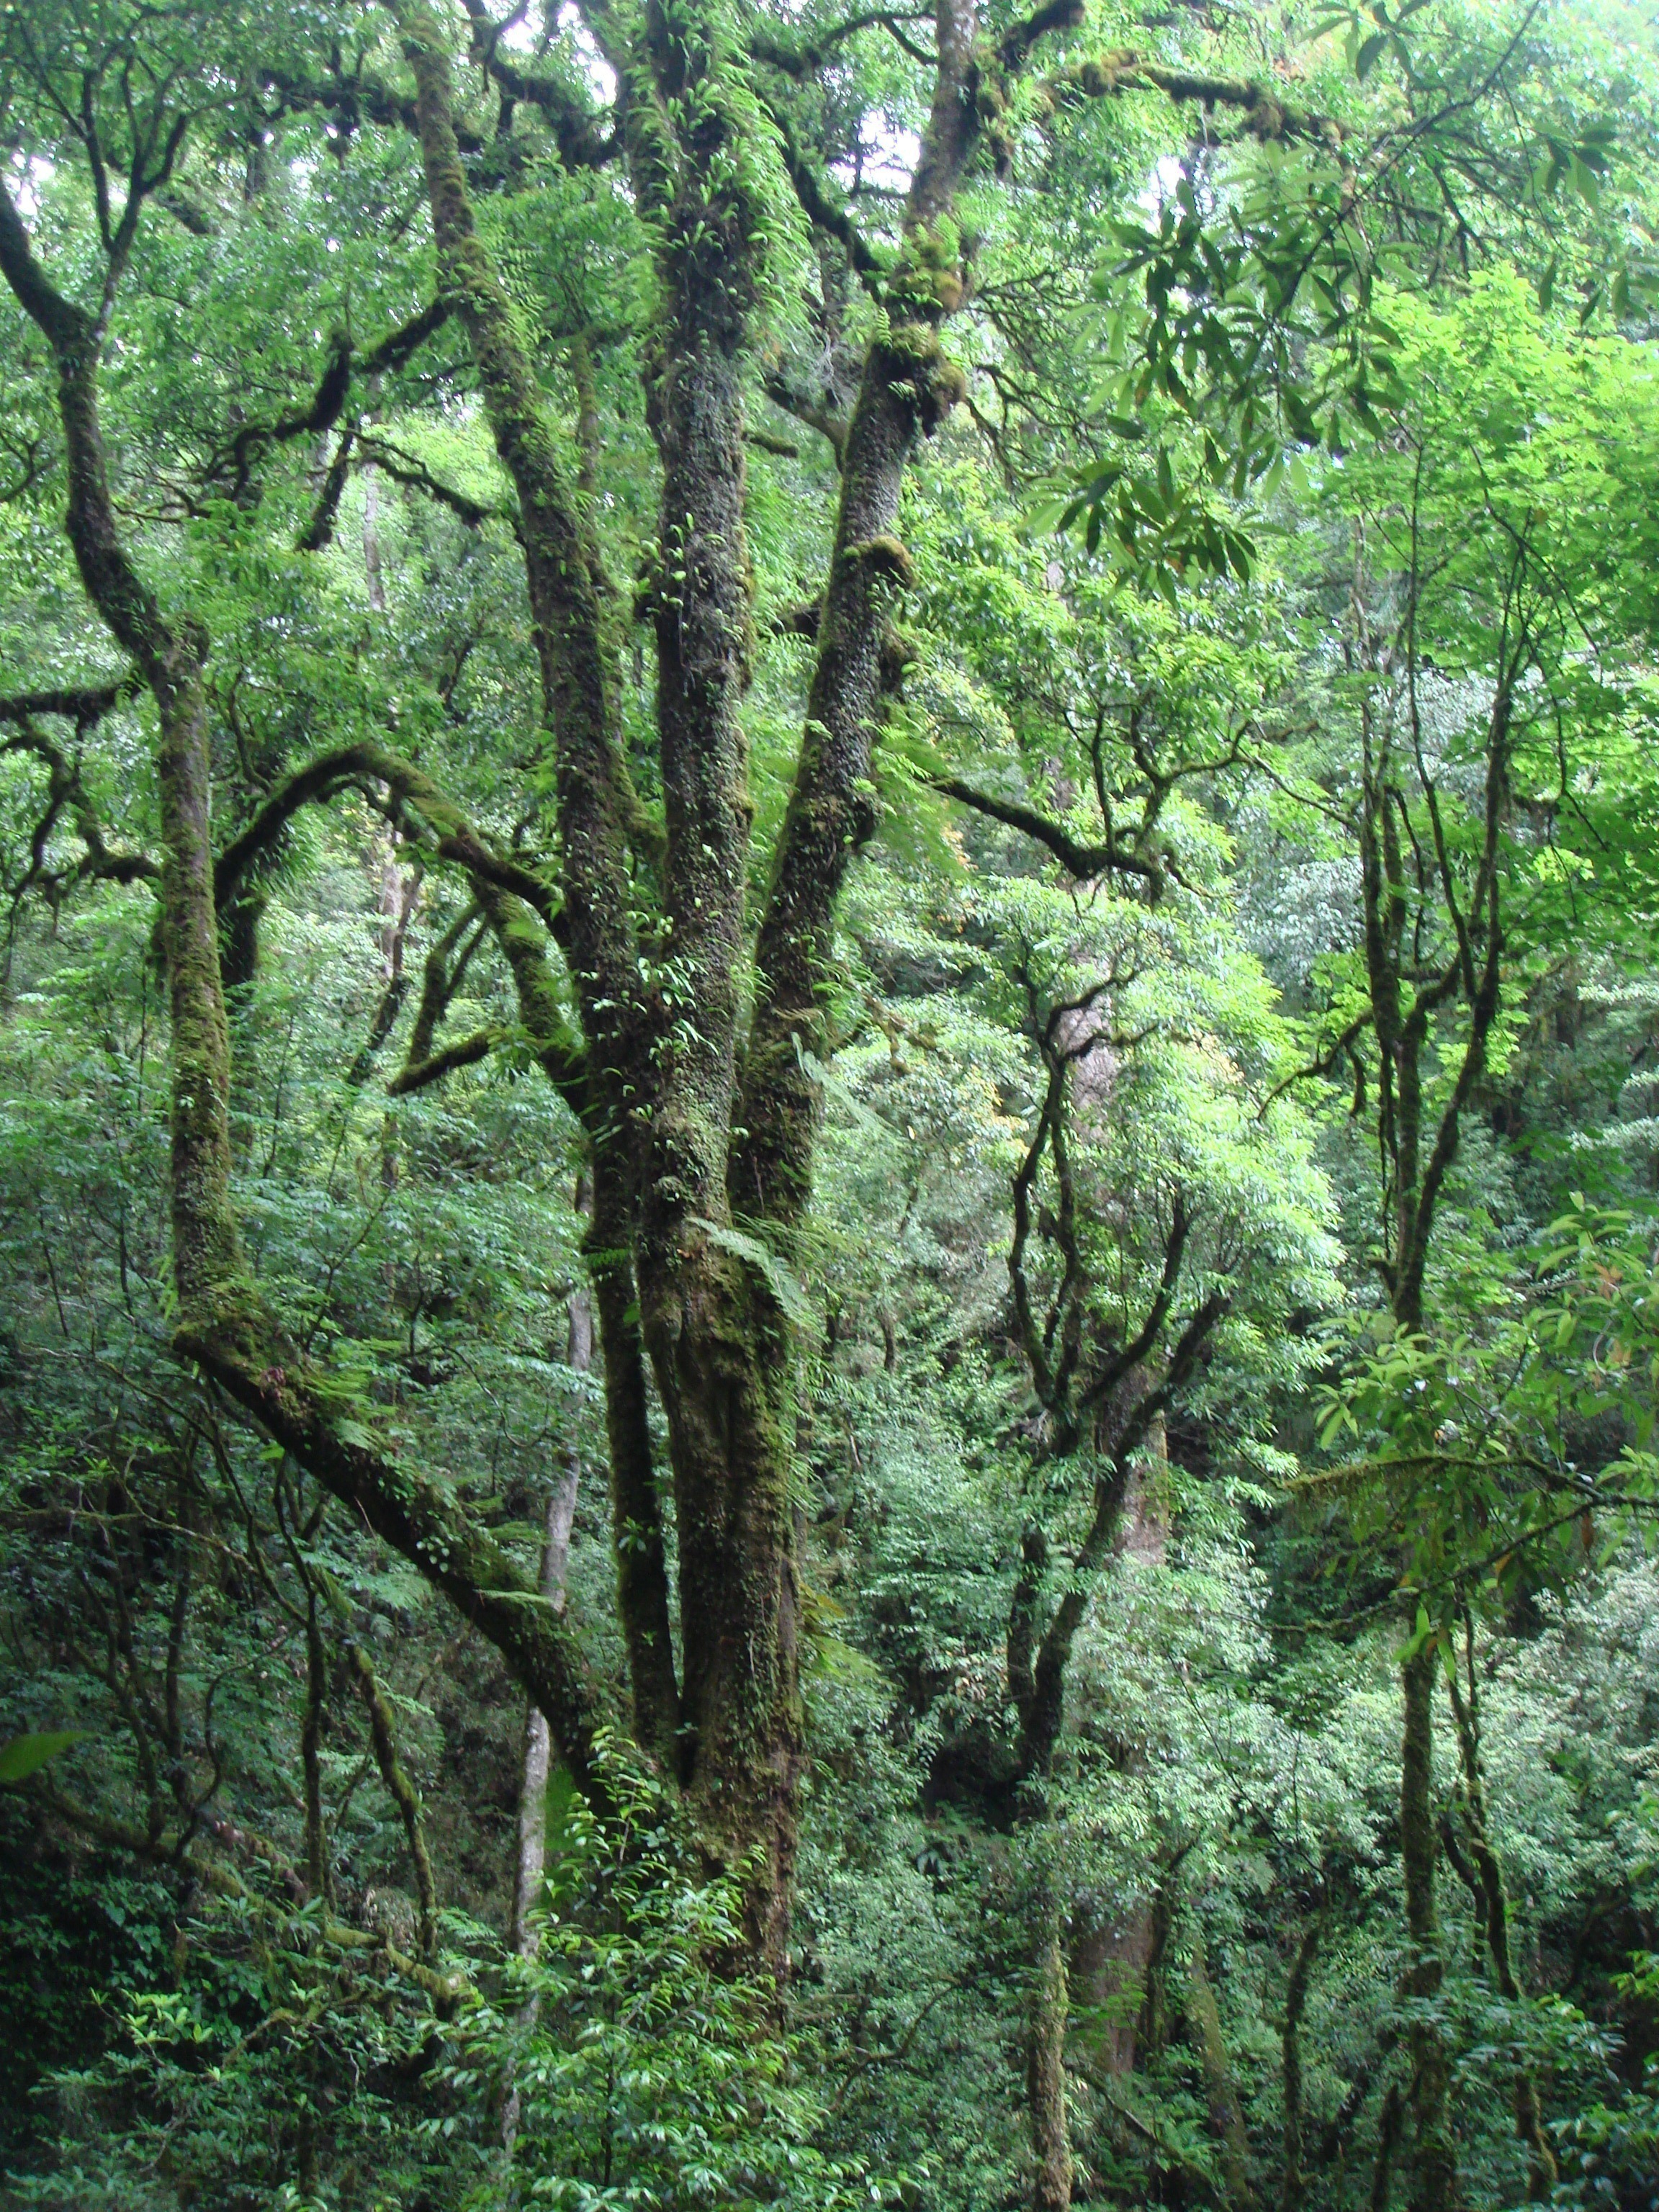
(1045, 2074)
(689, 1141)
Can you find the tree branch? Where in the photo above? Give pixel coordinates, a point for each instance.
(1267, 116)
(581, 143)
(1083, 861)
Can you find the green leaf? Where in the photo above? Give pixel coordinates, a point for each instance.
(25, 1754)
(782, 1285)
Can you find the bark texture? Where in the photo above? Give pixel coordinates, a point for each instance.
(1045, 2080)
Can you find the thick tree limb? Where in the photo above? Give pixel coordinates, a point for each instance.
(1265, 116)
(83, 707)
(356, 100)
(579, 676)
(465, 1052)
(908, 386)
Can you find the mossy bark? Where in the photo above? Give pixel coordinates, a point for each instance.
(383, 1735)
(907, 388)
(720, 1352)
(1045, 2078)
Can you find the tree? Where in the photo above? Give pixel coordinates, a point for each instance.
(700, 1110)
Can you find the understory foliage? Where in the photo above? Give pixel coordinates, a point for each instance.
(829, 1106)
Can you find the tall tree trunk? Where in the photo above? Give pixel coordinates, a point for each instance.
(725, 1374)
(1294, 2182)
(1114, 1957)
(1433, 2156)
(536, 1763)
(1045, 2075)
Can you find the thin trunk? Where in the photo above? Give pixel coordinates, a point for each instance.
(311, 1741)
(529, 1859)
(531, 1855)
(372, 540)
(1433, 2156)
(404, 1794)
(1295, 2001)
(1542, 2172)
(1221, 2093)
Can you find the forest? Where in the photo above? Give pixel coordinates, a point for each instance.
(829, 1105)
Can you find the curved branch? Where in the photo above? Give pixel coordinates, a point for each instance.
(329, 399)
(466, 1052)
(330, 773)
(1084, 861)
(404, 469)
(800, 60)
(64, 790)
(1322, 1066)
(1265, 115)
(825, 214)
